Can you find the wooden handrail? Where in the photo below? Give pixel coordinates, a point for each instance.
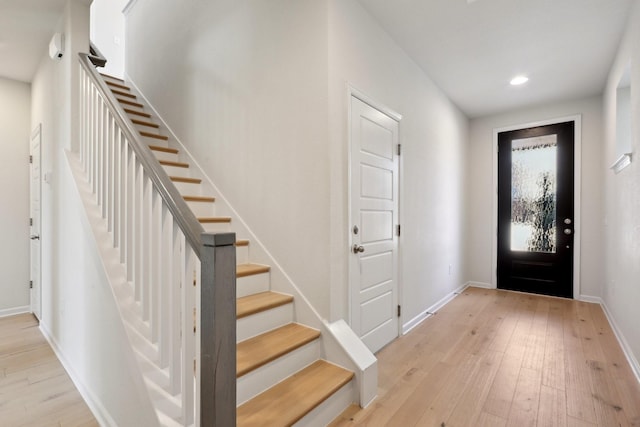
(183, 215)
(215, 398)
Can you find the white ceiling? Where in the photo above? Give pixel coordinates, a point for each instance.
(472, 49)
(26, 27)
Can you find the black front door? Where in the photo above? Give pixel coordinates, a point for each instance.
(535, 209)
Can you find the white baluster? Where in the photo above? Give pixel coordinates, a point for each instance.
(188, 333)
(175, 309)
(146, 247)
(156, 264)
(165, 287)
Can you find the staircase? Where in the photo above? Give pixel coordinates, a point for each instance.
(281, 376)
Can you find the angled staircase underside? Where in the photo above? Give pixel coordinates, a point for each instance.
(281, 376)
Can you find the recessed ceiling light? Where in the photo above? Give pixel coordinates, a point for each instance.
(519, 80)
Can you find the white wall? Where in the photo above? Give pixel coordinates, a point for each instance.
(621, 238)
(107, 33)
(15, 101)
(244, 86)
(479, 229)
(79, 314)
(433, 133)
(249, 88)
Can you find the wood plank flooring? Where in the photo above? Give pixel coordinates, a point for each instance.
(35, 390)
(497, 358)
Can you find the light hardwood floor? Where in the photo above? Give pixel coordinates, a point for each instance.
(35, 390)
(497, 358)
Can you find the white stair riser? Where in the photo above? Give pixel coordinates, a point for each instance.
(151, 371)
(161, 155)
(154, 141)
(217, 226)
(265, 377)
(329, 410)
(163, 401)
(130, 107)
(188, 189)
(132, 315)
(111, 79)
(250, 285)
(144, 128)
(242, 254)
(141, 344)
(176, 171)
(259, 323)
(202, 209)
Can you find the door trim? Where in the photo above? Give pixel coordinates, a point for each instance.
(352, 91)
(577, 174)
(37, 309)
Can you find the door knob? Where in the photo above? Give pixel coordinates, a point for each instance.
(35, 237)
(357, 249)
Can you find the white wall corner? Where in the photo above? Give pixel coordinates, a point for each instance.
(343, 346)
(626, 348)
(422, 316)
(129, 6)
(99, 411)
(15, 310)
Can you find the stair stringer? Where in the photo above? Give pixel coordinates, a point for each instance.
(120, 289)
(338, 346)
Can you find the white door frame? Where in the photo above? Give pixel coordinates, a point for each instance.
(577, 159)
(36, 306)
(355, 93)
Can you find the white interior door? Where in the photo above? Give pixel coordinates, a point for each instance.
(374, 184)
(36, 303)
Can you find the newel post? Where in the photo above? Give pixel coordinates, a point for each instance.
(218, 330)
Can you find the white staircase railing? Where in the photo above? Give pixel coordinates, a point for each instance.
(183, 279)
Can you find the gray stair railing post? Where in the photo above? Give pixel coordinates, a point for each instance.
(218, 330)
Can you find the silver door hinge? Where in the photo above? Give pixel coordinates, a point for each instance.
(398, 230)
(399, 310)
(30, 284)
(399, 149)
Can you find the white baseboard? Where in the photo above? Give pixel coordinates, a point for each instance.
(592, 299)
(431, 310)
(482, 285)
(102, 415)
(15, 310)
(626, 348)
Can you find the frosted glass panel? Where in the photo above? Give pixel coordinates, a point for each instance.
(533, 194)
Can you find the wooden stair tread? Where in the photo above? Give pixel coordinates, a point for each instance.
(204, 199)
(143, 123)
(258, 351)
(122, 93)
(137, 113)
(185, 179)
(243, 270)
(242, 242)
(154, 135)
(118, 85)
(174, 164)
(290, 400)
(132, 103)
(214, 220)
(163, 149)
(257, 303)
